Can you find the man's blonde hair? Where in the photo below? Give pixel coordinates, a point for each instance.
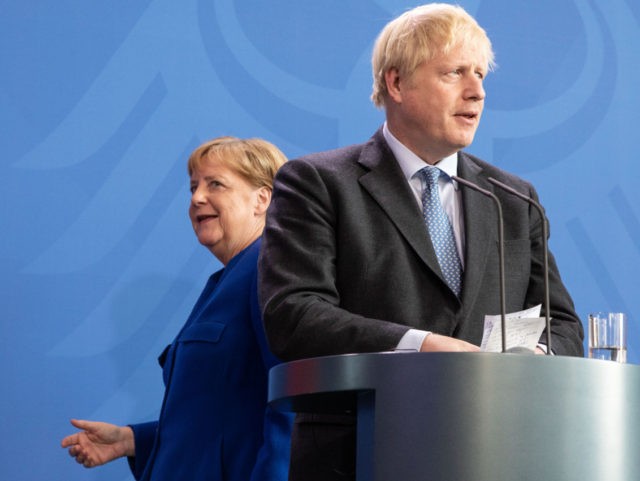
(419, 35)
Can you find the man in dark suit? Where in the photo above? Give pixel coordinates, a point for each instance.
(347, 265)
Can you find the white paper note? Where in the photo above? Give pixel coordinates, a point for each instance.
(524, 329)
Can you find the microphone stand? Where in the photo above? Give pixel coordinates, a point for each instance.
(503, 308)
(545, 233)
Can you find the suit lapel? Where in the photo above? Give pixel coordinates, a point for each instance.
(385, 182)
(481, 228)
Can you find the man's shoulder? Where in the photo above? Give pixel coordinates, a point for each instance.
(340, 155)
(486, 170)
(374, 147)
(342, 164)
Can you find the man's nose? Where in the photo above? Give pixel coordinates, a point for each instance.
(475, 89)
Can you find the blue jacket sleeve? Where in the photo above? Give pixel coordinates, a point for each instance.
(272, 463)
(144, 435)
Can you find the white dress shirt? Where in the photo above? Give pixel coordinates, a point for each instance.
(451, 200)
(410, 164)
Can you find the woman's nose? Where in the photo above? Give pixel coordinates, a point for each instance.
(197, 196)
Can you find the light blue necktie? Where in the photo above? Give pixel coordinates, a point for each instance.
(440, 230)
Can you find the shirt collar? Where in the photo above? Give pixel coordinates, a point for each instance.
(410, 163)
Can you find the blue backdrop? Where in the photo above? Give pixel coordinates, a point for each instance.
(101, 102)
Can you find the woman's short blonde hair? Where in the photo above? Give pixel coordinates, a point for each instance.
(256, 160)
(421, 34)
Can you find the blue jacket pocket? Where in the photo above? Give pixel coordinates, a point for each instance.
(202, 332)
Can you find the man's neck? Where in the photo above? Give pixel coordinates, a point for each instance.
(424, 153)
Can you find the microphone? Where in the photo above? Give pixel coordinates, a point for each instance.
(545, 233)
(503, 308)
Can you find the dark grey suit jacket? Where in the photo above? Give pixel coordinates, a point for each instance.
(347, 265)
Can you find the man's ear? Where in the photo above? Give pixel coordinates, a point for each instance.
(392, 81)
(263, 199)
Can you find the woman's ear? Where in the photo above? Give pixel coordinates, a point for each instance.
(263, 199)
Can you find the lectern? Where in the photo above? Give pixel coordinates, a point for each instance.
(475, 416)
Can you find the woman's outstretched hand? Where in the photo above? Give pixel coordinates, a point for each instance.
(98, 443)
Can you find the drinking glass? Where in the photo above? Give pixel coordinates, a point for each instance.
(608, 336)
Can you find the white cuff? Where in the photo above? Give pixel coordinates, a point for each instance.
(412, 340)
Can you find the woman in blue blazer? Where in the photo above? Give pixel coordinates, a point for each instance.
(214, 423)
